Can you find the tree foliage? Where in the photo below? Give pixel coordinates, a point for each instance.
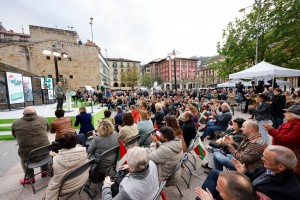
(130, 77)
(146, 80)
(278, 38)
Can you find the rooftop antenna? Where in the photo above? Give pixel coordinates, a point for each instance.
(91, 23)
(22, 29)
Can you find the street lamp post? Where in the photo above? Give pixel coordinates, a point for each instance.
(172, 56)
(55, 54)
(258, 3)
(91, 23)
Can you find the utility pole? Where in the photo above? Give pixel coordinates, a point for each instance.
(91, 23)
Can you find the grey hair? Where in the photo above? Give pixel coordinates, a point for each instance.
(158, 106)
(138, 159)
(227, 106)
(295, 116)
(285, 156)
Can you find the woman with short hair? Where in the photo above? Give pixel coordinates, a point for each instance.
(67, 159)
(104, 139)
(159, 115)
(129, 130)
(145, 127)
(141, 183)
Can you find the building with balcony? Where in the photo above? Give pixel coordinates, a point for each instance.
(163, 69)
(117, 66)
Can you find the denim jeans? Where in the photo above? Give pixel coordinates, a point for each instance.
(277, 121)
(210, 131)
(221, 160)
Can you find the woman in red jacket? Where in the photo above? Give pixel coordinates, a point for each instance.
(288, 134)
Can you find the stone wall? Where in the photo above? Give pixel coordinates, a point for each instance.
(39, 33)
(82, 62)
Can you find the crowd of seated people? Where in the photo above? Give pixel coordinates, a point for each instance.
(244, 149)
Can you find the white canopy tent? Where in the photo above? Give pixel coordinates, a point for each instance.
(232, 83)
(266, 71)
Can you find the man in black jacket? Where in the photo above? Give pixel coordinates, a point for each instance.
(276, 179)
(222, 121)
(189, 129)
(277, 104)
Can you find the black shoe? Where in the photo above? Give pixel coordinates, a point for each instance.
(251, 118)
(211, 138)
(202, 138)
(205, 166)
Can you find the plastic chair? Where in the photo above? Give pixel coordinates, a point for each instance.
(31, 163)
(72, 174)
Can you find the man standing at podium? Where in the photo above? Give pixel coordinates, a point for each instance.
(59, 94)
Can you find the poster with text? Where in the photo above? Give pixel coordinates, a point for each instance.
(47, 83)
(15, 87)
(27, 87)
(51, 94)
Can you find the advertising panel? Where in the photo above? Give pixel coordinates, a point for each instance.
(47, 83)
(27, 87)
(51, 94)
(15, 87)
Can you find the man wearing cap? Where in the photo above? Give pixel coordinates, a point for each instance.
(31, 133)
(288, 134)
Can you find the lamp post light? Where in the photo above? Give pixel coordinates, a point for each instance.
(258, 3)
(55, 54)
(172, 56)
(91, 23)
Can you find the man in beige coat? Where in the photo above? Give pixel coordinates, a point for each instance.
(31, 133)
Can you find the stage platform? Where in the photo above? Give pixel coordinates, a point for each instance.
(8, 117)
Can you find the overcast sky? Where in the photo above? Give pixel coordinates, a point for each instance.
(135, 29)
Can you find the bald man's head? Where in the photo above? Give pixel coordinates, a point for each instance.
(29, 110)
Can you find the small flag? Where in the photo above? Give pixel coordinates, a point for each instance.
(122, 156)
(199, 149)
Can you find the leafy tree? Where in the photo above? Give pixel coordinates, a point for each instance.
(146, 80)
(130, 77)
(278, 36)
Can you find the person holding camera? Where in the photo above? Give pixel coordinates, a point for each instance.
(68, 158)
(166, 154)
(141, 182)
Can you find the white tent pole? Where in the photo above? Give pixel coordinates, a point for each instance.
(273, 78)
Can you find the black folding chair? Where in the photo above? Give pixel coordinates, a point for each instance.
(73, 174)
(108, 166)
(185, 160)
(32, 163)
(133, 140)
(161, 187)
(89, 138)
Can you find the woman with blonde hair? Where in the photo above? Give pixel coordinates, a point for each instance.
(145, 127)
(103, 139)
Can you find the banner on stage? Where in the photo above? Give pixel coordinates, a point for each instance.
(47, 83)
(15, 87)
(27, 87)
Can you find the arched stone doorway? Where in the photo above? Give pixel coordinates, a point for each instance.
(116, 85)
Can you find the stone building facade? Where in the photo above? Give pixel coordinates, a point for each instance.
(84, 64)
(117, 65)
(207, 76)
